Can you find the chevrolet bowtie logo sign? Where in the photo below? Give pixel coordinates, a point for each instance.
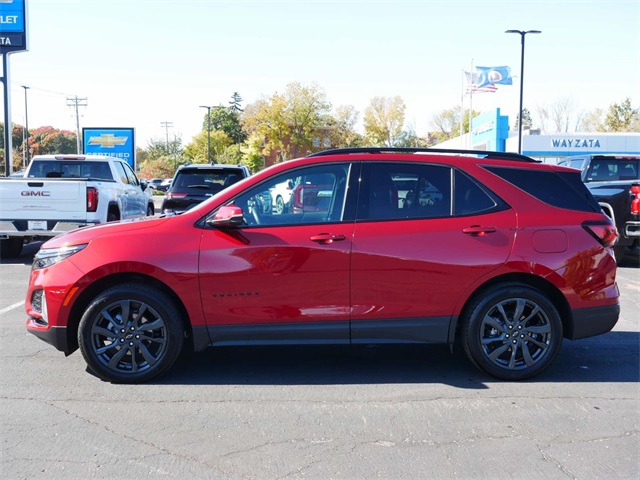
(107, 140)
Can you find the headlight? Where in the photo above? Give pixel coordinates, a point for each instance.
(49, 256)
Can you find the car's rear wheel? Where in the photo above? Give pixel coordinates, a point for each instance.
(150, 210)
(279, 205)
(513, 332)
(130, 333)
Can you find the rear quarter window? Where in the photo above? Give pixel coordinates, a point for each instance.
(559, 189)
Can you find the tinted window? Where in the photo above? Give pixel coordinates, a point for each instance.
(608, 170)
(399, 190)
(560, 189)
(469, 198)
(70, 169)
(307, 195)
(201, 181)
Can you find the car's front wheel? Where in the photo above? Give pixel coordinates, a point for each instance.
(130, 333)
(512, 332)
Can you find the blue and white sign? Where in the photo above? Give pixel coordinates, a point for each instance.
(491, 130)
(114, 142)
(13, 25)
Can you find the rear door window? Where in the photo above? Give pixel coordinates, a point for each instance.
(411, 190)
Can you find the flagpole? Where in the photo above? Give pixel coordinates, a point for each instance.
(469, 143)
(462, 107)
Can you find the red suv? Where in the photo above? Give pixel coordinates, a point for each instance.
(500, 254)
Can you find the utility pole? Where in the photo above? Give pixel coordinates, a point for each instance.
(167, 126)
(77, 102)
(208, 131)
(25, 148)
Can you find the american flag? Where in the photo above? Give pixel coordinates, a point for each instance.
(472, 84)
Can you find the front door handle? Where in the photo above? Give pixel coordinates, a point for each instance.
(326, 238)
(478, 230)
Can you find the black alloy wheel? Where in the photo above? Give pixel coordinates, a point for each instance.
(130, 333)
(514, 332)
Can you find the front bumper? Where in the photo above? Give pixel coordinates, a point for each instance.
(589, 322)
(56, 336)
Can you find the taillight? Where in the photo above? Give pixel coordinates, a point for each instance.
(605, 233)
(175, 195)
(92, 199)
(635, 203)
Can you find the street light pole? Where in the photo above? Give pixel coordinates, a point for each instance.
(208, 131)
(522, 34)
(25, 148)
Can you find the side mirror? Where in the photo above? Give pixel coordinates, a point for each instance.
(290, 184)
(227, 216)
(144, 184)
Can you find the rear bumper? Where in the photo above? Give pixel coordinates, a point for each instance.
(632, 229)
(588, 322)
(8, 228)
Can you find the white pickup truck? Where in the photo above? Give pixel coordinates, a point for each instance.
(62, 192)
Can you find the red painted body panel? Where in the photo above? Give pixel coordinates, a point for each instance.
(380, 270)
(272, 275)
(431, 260)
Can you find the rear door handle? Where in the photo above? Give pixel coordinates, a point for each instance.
(478, 230)
(326, 238)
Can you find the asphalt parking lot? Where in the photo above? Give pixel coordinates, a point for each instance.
(322, 412)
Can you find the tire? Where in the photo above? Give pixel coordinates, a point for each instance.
(136, 348)
(488, 328)
(279, 205)
(112, 217)
(11, 247)
(151, 211)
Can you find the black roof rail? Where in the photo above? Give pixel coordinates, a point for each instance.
(484, 153)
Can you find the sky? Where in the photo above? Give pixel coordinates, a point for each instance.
(140, 63)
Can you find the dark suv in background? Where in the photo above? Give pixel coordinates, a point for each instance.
(193, 184)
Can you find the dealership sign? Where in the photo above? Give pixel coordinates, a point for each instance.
(114, 142)
(13, 26)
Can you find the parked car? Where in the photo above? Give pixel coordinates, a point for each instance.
(58, 193)
(281, 197)
(155, 183)
(614, 181)
(193, 184)
(509, 257)
(166, 183)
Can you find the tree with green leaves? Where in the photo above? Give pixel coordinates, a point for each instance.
(383, 120)
(622, 117)
(196, 151)
(526, 119)
(158, 147)
(265, 119)
(235, 102)
(342, 127)
(226, 120)
(305, 112)
(288, 122)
